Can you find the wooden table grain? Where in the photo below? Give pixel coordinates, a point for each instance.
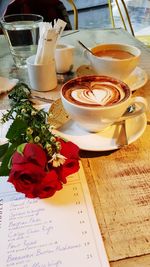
(119, 181)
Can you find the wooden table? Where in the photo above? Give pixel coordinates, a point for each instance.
(119, 181)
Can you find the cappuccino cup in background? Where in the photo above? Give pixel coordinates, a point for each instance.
(115, 60)
(95, 102)
(64, 58)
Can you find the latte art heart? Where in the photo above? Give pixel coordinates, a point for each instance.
(98, 94)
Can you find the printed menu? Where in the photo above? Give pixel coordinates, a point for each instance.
(61, 231)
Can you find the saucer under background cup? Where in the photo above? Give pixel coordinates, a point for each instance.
(136, 79)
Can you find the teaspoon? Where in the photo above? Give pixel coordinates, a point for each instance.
(85, 47)
(123, 138)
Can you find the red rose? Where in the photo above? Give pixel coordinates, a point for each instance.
(71, 165)
(69, 150)
(49, 185)
(31, 153)
(26, 177)
(28, 173)
(29, 170)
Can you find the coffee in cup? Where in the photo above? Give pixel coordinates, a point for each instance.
(96, 93)
(95, 102)
(115, 60)
(113, 53)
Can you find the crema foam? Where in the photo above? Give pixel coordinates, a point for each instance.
(101, 93)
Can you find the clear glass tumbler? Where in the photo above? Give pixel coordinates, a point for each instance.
(22, 33)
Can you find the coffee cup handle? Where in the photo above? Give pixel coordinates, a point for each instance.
(137, 106)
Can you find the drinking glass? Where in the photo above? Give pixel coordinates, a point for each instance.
(22, 33)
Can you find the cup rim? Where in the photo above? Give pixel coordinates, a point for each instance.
(30, 61)
(39, 17)
(63, 46)
(96, 107)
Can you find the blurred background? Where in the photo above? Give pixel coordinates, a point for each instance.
(95, 14)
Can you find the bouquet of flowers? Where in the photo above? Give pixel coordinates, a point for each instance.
(36, 161)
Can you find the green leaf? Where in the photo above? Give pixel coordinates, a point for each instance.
(20, 93)
(3, 149)
(20, 148)
(4, 170)
(17, 128)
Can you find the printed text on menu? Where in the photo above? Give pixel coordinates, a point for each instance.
(61, 231)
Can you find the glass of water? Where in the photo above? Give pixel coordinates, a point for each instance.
(22, 33)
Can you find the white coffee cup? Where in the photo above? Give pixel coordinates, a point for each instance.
(94, 107)
(64, 58)
(119, 68)
(42, 77)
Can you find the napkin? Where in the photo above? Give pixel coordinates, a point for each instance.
(49, 36)
(7, 84)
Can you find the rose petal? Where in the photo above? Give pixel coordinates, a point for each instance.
(69, 150)
(50, 184)
(36, 154)
(25, 177)
(69, 167)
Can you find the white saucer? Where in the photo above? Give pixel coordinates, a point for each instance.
(105, 140)
(136, 80)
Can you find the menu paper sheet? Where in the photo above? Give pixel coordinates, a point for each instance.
(61, 231)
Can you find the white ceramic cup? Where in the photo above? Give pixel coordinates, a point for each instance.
(64, 58)
(97, 118)
(42, 77)
(117, 68)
